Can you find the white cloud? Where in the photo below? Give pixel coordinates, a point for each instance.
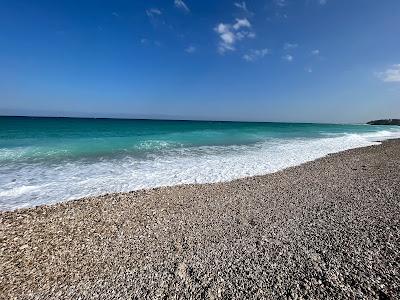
(190, 49)
(288, 57)
(181, 5)
(315, 52)
(229, 34)
(390, 75)
(226, 35)
(254, 55)
(322, 2)
(153, 12)
(289, 46)
(241, 23)
(245, 34)
(308, 69)
(251, 35)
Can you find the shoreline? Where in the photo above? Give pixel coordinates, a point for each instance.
(107, 194)
(326, 228)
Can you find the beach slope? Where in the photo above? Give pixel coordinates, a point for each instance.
(328, 229)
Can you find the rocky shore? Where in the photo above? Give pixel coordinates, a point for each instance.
(328, 229)
(385, 122)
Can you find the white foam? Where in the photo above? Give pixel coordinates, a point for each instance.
(36, 184)
(18, 191)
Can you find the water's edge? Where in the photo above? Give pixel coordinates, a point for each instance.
(161, 187)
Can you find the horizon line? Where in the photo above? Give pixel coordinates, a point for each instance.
(166, 119)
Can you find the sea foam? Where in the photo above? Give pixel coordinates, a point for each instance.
(39, 183)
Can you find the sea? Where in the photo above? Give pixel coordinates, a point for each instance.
(49, 160)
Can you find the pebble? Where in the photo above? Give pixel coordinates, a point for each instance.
(328, 229)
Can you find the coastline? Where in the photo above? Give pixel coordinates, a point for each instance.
(325, 228)
(49, 160)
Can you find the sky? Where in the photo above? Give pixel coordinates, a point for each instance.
(332, 61)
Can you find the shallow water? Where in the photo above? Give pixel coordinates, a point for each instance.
(47, 160)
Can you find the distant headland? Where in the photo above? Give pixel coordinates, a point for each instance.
(385, 122)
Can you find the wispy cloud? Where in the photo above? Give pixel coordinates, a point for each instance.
(243, 7)
(147, 42)
(315, 52)
(281, 3)
(322, 2)
(190, 49)
(288, 57)
(155, 16)
(390, 75)
(254, 55)
(181, 5)
(308, 69)
(229, 34)
(289, 46)
(152, 12)
(115, 14)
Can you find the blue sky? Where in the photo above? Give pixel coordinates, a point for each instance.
(269, 60)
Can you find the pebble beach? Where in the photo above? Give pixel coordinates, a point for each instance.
(327, 229)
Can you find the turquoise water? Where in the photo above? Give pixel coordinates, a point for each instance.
(46, 160)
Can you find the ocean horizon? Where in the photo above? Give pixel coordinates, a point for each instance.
(46, 160)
